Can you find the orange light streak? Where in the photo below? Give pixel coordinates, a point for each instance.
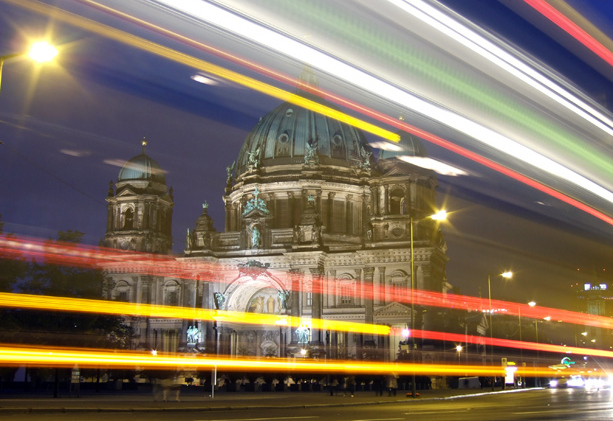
(132, 262)
(92, 358)
(39, 302)
(82, 305)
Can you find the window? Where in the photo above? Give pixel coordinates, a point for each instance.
(347, 293)
(397, 202)
(122, 291)
(399, 282)
(128, 222)
(172, 293)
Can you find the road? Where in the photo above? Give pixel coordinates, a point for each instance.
(548, 404)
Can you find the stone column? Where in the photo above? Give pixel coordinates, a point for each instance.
(369, 289)
(348, 215)
(381, 297)
(381, 208)
(296, 305)
(330, 218)
(272, 202)
(290, 209)
(317, 310)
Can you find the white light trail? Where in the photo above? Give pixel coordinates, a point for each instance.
(224, 19)
(506, 61)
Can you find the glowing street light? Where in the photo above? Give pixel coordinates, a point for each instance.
(40, 51)
(506, 275)
(438, 216)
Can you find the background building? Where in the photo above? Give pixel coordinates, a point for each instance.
(314, 226)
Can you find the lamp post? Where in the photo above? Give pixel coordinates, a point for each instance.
(459, 349)
(439, 216)
(506, 275)
(40, 51)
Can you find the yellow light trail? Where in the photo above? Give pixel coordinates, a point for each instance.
(11, 355)
(205, 66)
(82, 305)
(132, 262)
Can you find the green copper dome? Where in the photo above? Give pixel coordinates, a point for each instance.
(142, 168)
(285, 135)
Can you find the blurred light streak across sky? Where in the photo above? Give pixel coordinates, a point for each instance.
(97, 257)
(209, 68)
(377, 87)
(561, 13)
(277, 42)
(506, 61)
(91, 358)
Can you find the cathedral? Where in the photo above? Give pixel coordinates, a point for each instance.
(314, 223)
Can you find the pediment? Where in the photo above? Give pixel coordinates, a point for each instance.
(395, 171)
(393, 310)
(255, 214)
(127, 191)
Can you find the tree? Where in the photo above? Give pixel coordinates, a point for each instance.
(12, 271)
(63, 328)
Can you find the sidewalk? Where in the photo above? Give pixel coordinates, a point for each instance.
(192, 401)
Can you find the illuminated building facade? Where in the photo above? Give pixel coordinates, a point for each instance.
(596, 298)
(306, 204)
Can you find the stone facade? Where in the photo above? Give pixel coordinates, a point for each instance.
(313, 226)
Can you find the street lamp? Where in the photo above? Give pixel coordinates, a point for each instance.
(40, 51)
(459, 349)
(506, 275)
(439, 216)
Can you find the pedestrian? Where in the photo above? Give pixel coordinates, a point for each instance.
(333, 385)
(351, 385)
(392, 384)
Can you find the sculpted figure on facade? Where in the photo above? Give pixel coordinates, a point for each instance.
(219, 299)
(255, 237)
(193, 335)
(310, 155)
(302, 335)
(229, 171)
(255, 203)
(283, 296)
(253, 161)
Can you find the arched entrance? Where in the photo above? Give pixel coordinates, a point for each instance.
(261, 294)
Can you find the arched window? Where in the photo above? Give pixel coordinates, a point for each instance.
(172, 293)
(397, 202)
(399, 285)
(347, 290)
(122, 291)
(128, 219)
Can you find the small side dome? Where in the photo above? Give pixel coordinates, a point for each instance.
(142, 168)
(409, 145)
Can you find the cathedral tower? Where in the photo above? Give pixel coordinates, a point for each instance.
(140, 210)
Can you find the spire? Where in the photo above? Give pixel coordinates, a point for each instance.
(144, 143)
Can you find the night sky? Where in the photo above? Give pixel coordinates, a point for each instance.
(68, 128)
